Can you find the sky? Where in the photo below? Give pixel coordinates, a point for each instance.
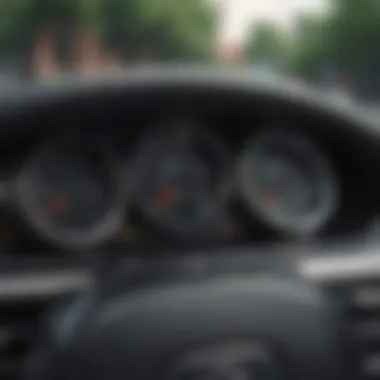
(237, 15)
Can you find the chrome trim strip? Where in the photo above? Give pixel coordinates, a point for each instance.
(345, 266)
(320, 267)
(45, 284)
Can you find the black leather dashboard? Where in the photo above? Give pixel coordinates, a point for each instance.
(52, 130)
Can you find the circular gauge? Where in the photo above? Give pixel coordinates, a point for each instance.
(182, 188)
(287, 183)
(69, 192)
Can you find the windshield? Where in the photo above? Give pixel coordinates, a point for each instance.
(329, 44)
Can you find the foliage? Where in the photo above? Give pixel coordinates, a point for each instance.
(313, 46)
(267, 42)
(346, 39)
(343, 42)
(357, 34)
(167, 28)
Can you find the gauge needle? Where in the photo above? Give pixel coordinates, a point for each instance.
(164, 197)
(229, 228)
(126, 233)
(6, 234)
(269, 199)
(56, 205)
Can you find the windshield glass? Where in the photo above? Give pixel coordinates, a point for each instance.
(329, 44)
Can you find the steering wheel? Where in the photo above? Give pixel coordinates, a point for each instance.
(213, 317)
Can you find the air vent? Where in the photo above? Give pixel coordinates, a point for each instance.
(364, 317)
(18, 333)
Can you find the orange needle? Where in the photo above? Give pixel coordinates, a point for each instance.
(269, 199)
(164, 197)
(7, 233)
(126, 233)
(228, 228)
(56, 205)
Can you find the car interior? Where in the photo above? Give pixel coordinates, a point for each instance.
(187, 225)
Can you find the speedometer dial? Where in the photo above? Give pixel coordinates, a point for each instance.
(183, 171)
(70, 194)
(288, 183)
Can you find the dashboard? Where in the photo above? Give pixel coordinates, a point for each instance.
(177, 182)
(203, 190)
(157, 167)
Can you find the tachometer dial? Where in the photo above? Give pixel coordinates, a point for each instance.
(182, 187)
(288, 183)
(70, 194)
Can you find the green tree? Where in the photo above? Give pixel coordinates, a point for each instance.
(356, 31)
(346, 39)
(22, 22)
(313, 46)
(170, 29)
(267, 42)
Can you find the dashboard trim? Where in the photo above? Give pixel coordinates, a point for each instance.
(44, 285)
(341, 267)
(332, 269)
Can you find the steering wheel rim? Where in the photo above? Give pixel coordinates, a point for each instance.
(147, 331)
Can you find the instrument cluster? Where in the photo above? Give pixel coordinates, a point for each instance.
(179, 183)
